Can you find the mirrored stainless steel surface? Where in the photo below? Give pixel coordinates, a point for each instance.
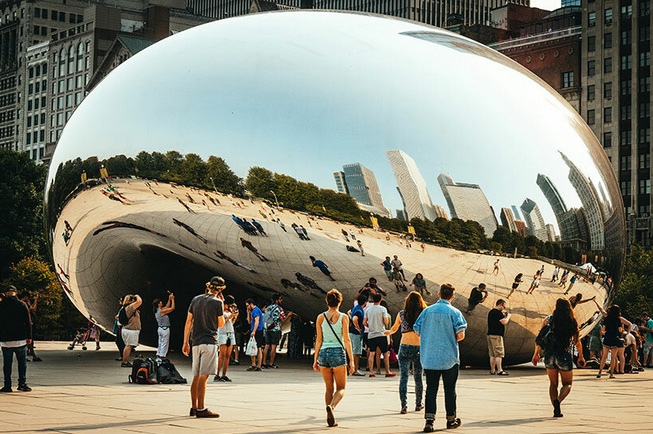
(161, 173)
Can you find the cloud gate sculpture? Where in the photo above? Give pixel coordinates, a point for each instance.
(244, 146)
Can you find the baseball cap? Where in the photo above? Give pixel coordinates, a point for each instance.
(217, 281)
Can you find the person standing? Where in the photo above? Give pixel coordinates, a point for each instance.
(387, 267)
(273, 330)
(132, 329)
(497, 319)
(117, 330)
(420, 284)
(161, 313)
(359, 243)
(226, 338)
(255, 319)
(613, 327)
(409, 349)
(321, 266)
(332, 346)
(356, 331)
(376, 318)
(556, 270)
(476, 296)
(398, 265)
(559, 358)
(31, 305)
(573, 280)
(202, 322)
(497, 267)
(647, 350)
(440, 327)
(15, 335)
(515, 284)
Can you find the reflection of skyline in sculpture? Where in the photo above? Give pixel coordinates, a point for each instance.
(551, 232)
(360, 183)
(589, 199)
(534, 220)
(508, 219)
(411, 186)
(515, 211)
(468, 202)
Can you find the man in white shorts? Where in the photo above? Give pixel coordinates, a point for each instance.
(132, 329)
(205, 316)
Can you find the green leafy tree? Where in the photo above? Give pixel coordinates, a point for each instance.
(225, 179)
(635, 294)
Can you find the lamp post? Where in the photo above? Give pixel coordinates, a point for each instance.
(214, 189)
(275, 198)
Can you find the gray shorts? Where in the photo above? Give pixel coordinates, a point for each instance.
(205, 359)
(648, 348)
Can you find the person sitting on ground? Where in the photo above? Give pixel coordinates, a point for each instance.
(476, 296)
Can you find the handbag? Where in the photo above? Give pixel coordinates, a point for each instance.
(393, 355)
(252, 348)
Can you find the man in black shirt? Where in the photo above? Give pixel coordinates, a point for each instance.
(496, 326)
(478, 295)
(203, 320)
(15, 335)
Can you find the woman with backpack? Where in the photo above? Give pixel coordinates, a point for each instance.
(332, 346)
(557, 338)
(613, 341)
(409, 349)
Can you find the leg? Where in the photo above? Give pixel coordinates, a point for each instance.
(404, 368)
(126, 352)
(370, 360)
(8, 359)
(449, 379)
(260, 358)
(357, 361)
(193, 392)
(567, 378)
(273, 354)
(386, 362)
(604, 358)
(266, 350)
(225, 360)
(417, 376)
(432, 384)
(327, 376)
(497, 361)
(613, 360)
(492, 364)
(340, 377)
(21, 359)
(622, 360)
(553, 384)
(201, 391)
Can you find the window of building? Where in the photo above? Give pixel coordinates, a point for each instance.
(645, 186)
(607, 90)
(625, 188)
(60, 103)
(61, 86)
(607, 139)
(645, 84)
(625, 162)
(29, 121)
(591, 68)
(645, 58)
(69, 84)
(626, 62)
(30, 89)
(644, 136)
(608, 16)
(41, 138)
(625, 138)
(36, 103)
(607, 115)
(645, 110)
(645, 33)
(54, 15)
(29, 104)
(591, 19)
(78, 98)
(62, 17)
(591, 117)
(568, 79)
(645, 161)
(43, 118)
(607, 65)
(591, 43)
(607, 40)
(591, 92)
(626, 12)
(78, 82)
(626, 37)
(37, 12)
(69, 100)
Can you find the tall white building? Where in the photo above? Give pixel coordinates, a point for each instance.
(551, 232)
(534, 220)
(468, 202)
(411, 186)
(508, 219)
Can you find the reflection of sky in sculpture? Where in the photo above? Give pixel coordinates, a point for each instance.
(303, 97)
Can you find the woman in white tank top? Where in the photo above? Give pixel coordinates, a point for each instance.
(331, 343)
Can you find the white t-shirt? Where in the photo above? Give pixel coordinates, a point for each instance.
(228, 326)
(630, 339)
(13, 344)
(375, 315)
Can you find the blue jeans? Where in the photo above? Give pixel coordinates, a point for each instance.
(8, 358)
(407, 354)
(449, 378)
(331, 358)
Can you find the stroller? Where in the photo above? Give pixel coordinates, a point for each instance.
(84, 335)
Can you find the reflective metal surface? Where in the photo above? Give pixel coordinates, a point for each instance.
(397, 115)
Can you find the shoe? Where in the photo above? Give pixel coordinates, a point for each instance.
(192, 412)
(234, 362)
(372, 375)
(252, 368)
(226, 379)
(24, 388)
(331, 419)
(6, 389)
(419, 407)
(258, 369)
(37, 359)
(217, 378)
(391, 374)
(556, 408)
(502, 373)
(492, 373)
(404, 410)
(358, 374)
(126, 365)
(428, 427)
(273, 367)
(452, 424)
(265, 366)
(598, 375)
(119, 359)
(206, 413)
(611, 376)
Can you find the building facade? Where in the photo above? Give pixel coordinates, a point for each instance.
(360, 183)
(468, 202)
(508, 219)
(411, 186)
(534, 220)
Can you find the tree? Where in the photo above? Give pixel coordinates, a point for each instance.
(21, 198)
(635, 294)
(225, 179)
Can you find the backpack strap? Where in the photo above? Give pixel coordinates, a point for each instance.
(326, 318)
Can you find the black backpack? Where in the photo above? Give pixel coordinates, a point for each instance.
(144, 371)
(168, 374)
(123, 319)
(547, 340)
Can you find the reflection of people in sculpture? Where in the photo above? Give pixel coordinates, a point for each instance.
(190, 229)
(259, 228)
(360, 246)
(372, 287)
(398, 280)
(281, 224)
(497, 267)
(515, 284)
(573, 280)
(324, 268)
(536, 282)
(422, 246)
(478, 295)
(310, 283)
(344, 233)
(577, 299)
(249, 246)
(420, 284)
(289, 284)
(185, 206)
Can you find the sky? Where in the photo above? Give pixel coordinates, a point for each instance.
(546, 4)
(304, 95)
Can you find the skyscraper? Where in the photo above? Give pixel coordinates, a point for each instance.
(590, 201)
(508, 219)
(440, 212)
(360, 183)
(567, 221)
(515, 211)
(468, 202)
(550, 232)
(534, 220)
(411, 186)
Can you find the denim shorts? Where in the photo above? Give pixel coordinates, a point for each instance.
(331, 357)
(356, 344)
(561, 362)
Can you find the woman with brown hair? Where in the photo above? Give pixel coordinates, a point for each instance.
(558, 357)
(613, 341)
(331, 344)
(409, 349)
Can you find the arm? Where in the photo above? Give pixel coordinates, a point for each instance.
(347, 342)
(579, 348)
(505, 320)
(138, 302)
(355, 321)
(460, 336)
(386, 320)
(394, 328)
(365, 321)
(627, 323)
(584, 301)
(170, 306)
(256, 320)
(32, 308)
(187, 328)
(603, 312)
(318, 341)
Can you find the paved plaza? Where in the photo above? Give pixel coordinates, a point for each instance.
(87, 391)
